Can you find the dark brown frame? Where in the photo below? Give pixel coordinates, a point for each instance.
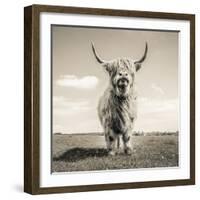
(32, 105)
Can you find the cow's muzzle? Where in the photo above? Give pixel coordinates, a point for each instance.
(122, 82)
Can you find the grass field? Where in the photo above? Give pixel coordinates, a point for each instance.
(88, 152)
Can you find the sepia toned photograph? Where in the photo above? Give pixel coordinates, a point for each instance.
(109, 99)
(115, 102)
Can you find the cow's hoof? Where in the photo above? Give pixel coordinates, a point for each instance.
(128, 151)
(111, 153)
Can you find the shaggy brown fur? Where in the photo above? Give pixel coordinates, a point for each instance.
(117, 107)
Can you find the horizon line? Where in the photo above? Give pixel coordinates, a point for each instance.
(59, 132)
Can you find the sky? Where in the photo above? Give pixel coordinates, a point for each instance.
(79, 80)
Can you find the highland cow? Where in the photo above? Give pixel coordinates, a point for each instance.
(117, 107)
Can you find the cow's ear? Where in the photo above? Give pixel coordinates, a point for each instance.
(108, 67)
(138, 66)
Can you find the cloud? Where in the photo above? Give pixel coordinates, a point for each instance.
(64, 106)
(86, 82)
(152, 106)
(158, 89)
(157, 114)
(74, 115)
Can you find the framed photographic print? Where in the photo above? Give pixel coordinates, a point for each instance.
(109, 99)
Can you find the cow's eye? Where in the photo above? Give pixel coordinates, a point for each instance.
(120, 74)
(126, 74)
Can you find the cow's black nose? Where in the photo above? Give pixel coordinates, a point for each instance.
(123, 80)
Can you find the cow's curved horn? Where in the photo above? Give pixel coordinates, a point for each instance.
(97, 56)
(144, 56)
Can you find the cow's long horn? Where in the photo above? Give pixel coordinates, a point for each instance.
(97, 56)
(144, 56)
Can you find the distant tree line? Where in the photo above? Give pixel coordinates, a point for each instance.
(154, 133)
(135, 133)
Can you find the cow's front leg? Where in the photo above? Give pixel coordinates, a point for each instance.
(111, 139)
(127, 143)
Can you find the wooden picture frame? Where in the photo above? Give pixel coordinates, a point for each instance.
(32, 106)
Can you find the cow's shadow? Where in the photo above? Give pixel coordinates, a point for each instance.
(76, 154)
